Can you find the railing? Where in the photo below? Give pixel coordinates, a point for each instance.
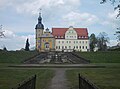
(86, 84)
(29, 84)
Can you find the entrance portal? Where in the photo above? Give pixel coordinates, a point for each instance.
(47, 46)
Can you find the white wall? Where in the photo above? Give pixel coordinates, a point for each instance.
(78, 45)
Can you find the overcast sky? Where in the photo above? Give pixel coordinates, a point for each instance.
(19, 18)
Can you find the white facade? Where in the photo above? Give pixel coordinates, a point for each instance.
(70, 45)
(71, 42)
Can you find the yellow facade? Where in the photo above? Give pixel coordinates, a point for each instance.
(37, 43)
(45, 41)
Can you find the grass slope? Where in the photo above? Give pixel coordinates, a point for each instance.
(102, 57)
(15, 56)
(9, 78)
(105, 78)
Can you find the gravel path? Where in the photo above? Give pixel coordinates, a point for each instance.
(59, 80)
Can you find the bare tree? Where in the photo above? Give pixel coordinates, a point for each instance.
(118, 34)
(117, 7)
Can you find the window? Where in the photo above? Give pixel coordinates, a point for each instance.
(62, 41)
(86, 47)
(80, 47)
(83, 47)
(79, 41)
(38, 41)
(56, 47)
(86, 42)
(59, 47)
(69, 47)
(62, 47)
(76, 47)
(76, 41)
(66, 47)
(83, 42)
(69, 41)
(58, 41)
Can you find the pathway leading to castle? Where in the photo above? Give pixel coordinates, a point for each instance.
(59, 80)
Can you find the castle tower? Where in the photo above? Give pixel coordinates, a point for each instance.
(39, 32)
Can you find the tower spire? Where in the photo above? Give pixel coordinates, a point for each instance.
(40, 11)
(39, 25)
(40, 18)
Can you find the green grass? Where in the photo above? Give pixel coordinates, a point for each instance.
(9, 78)
(102, 57)
(15, 56)
(105, 78)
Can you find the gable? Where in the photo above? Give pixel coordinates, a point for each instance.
(71, 34)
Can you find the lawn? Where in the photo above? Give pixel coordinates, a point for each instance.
(105, 78)
(9, 78)
(102, 57)
(15, 56)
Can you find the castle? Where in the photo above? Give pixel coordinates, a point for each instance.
(61, 39)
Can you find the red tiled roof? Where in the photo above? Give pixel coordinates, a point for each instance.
(61, 31)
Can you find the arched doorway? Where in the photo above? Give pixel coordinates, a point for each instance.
(47, 46)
